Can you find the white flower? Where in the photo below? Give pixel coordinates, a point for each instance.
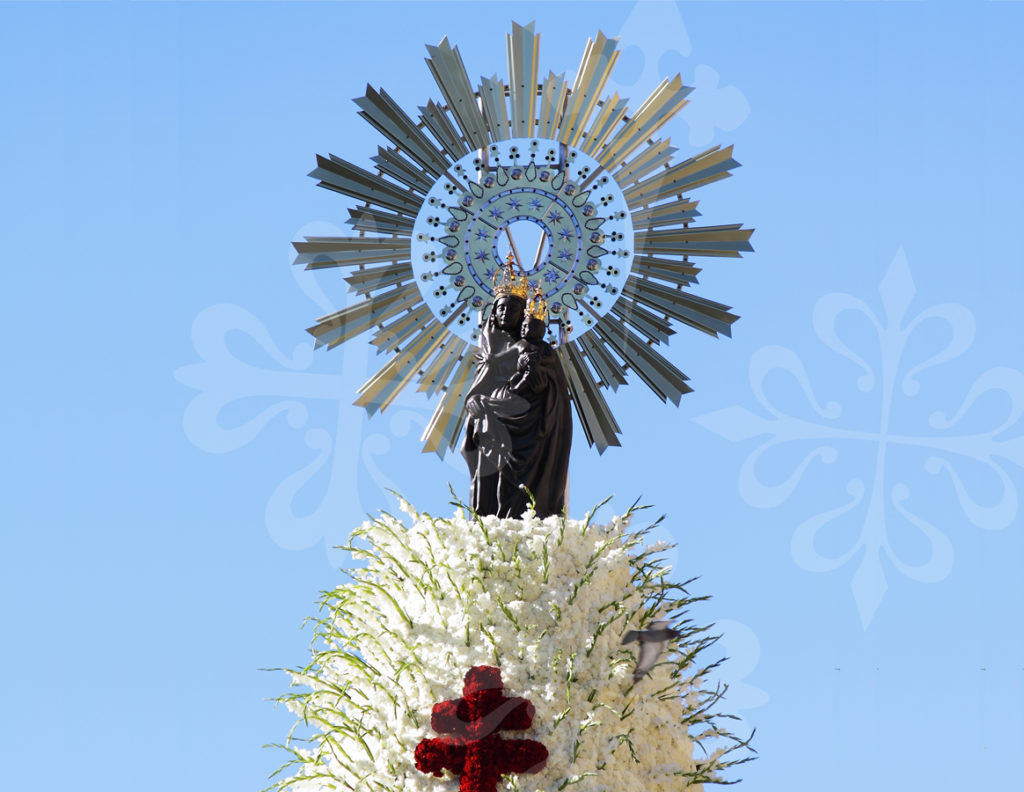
(547, 601)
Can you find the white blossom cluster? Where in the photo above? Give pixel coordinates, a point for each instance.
(548, 602)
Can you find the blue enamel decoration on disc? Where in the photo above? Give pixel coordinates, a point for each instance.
(468, 224)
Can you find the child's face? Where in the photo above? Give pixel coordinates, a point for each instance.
(533, 329)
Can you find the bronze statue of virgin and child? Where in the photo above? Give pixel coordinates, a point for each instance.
(519, 426)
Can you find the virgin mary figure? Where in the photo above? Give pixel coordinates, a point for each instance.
(519, 429)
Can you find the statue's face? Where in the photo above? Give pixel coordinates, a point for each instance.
(508, 313)
(533, 329)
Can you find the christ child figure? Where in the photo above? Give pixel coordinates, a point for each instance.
(529, 381)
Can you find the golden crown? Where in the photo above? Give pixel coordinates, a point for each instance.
(537, 307)
(510, 284)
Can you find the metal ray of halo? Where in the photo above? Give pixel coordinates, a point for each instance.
(420, 345)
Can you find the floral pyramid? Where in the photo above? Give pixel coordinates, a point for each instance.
(545, 602)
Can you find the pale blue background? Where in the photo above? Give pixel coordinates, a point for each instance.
(153, 174)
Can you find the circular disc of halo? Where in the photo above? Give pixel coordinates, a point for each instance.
(462, 233)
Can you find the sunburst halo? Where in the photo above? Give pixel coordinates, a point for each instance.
(611, 209)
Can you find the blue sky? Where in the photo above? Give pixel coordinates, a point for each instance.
(179, 462)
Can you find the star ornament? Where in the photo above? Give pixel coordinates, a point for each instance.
(587, 166)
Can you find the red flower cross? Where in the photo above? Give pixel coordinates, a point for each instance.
(475, 750)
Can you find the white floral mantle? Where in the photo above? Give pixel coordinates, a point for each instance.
(548, 602)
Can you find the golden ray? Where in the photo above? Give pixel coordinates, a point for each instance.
(664, 102)
(598, 60)
(394, 335)
(336, 328)
(435, 376)
(381, 389)
(446, 422)
(656, 155)
(610, 115)
(364, 281)
(666, 214)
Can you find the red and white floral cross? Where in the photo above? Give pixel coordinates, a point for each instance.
(476, 751)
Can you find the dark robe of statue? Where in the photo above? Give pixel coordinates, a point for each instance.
(519, 429)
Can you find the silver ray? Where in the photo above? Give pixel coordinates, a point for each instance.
(445, 63)
(522, 46)
(596, 418)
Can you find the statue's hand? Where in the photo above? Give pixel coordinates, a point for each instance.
(475, 406)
